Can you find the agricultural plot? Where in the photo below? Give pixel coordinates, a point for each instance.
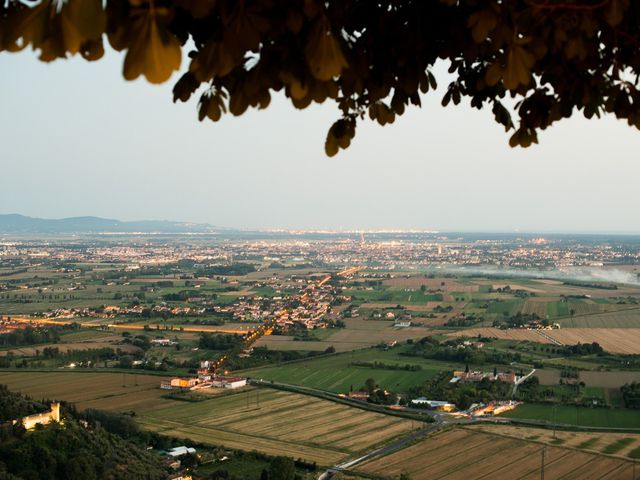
(583, 416)
(105, 391)
(535, 307)
(615, 340)
(466, 454)
(445, 284)
(510, 334)
(278, 423)
(395, 295)
(508, 307)
(557, 309)
(337, 373)
(550, 376)
(113, 341)
(359, 333)
(591, 441)
(626, 318)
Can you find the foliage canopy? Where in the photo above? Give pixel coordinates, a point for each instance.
(552, 57)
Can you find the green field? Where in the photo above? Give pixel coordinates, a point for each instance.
(394, 295)
(336, 374)
(591, 417)
(557, 309)
(509, 307)
(624, 318)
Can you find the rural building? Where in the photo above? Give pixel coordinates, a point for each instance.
(358, 395)
(180, 451)
(402, 324)
(162, 342)
(30, 421)
(228, 382)
(178, 383)
(434, 404)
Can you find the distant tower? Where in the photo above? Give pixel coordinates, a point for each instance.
(439, 249)
(55, 412)
(362, 237)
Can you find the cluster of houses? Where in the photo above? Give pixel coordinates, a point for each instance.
(492, 408)
(207, 378)
(7, 324)
(475, 410)
(478, 376)
(213, 381)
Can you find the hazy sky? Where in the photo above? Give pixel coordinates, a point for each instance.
(76, 139)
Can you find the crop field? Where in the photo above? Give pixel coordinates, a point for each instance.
(336, 373)
(446, 284)
(584, 416)
(510, 307)
(627, 318)
(278, 423)
(616, 340)
(393, 295)
(536, 307)
(510, 334)
(359, 333)
(465, 454)
(592, 441)
(549, 376)
(105, 391)
(106, 342)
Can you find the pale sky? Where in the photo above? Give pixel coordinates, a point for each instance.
(77, 139)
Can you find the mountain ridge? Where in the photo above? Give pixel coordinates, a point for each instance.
(15, 224)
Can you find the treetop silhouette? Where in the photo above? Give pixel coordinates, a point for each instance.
(533, 62)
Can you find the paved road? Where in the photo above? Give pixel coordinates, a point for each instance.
(520, 381)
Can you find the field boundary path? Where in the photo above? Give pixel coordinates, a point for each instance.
(548, 337)
(334, 397)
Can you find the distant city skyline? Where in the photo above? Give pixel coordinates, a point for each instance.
(78, 140)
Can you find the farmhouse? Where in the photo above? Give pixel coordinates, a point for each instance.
(43, 418)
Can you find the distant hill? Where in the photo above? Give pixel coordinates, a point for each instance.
(17, 224)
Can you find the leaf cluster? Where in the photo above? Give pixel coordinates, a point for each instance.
(533, 62)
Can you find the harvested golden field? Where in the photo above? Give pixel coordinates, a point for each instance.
(619, 340)
(466, 454)
(588, 441)
(278, 423)
(91, 390)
